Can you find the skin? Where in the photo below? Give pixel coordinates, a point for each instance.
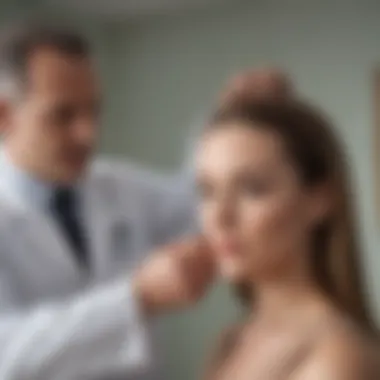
(51, 128)
(256, 215)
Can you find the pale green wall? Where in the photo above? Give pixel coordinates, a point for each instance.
(173, 67)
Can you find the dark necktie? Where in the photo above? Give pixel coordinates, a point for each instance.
(65, 210)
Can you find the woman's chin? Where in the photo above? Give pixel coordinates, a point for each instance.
(232, 272)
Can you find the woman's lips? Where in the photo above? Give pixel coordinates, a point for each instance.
(227, 247)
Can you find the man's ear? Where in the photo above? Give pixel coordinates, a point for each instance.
(5, 116)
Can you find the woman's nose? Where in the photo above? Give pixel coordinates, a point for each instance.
(225, 212)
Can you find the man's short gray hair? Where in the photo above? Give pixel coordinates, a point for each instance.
(19, 41)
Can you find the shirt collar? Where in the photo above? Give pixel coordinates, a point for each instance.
(22, 185)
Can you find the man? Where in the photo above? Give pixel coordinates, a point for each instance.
(72, 303)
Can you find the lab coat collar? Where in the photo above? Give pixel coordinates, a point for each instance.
(23, 187)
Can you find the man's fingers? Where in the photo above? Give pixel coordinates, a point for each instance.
(197, 269)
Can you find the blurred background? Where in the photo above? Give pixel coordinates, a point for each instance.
(162, 63)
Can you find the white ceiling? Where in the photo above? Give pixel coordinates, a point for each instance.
(130, 8)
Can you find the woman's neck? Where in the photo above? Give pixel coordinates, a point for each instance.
(287, 295)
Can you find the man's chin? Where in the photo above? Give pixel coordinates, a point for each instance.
(71, 175)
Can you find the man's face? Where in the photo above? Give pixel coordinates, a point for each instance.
(51, 130)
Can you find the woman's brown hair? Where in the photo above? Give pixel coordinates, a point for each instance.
(319, 159)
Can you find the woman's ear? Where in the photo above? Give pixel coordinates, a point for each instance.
(320, 203)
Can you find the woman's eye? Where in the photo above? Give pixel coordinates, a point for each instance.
(254, 188)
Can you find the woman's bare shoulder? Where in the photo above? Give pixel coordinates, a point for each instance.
(343, 354)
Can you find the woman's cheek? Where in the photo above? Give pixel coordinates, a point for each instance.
(270, 230)
(263, 228)
(256, 222)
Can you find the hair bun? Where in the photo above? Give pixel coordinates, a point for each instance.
(258, 85)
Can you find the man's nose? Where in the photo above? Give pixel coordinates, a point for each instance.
(85, 131)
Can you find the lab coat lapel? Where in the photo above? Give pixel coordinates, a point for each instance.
(39, 252)
(108, 230)
(40, 238)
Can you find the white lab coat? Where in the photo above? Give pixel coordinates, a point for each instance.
(57, 323)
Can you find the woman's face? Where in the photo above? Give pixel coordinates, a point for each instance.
(254, 210)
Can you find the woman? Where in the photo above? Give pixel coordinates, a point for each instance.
(276, 208)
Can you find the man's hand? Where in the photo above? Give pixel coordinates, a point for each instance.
(174, 277)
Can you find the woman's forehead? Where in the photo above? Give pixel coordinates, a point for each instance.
(238, 147)
(240, 141)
